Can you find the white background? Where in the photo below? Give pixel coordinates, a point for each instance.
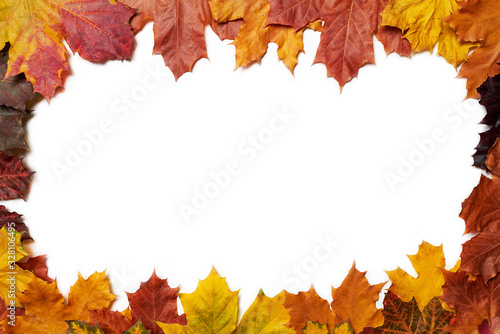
(322, 177)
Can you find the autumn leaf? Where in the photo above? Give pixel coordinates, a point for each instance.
(347, 37)
(254, 35)
(81, 327)
(111, 322)
(490, 99)
(46, 311)
(355, 301)
(11, 275)
(97, 29)
(391, 37)
(14, 91)
(88, 294)
(423, 26)
(11, 129)
(155, 301)
(428, 263)
(266, 315)
(212, 308)
(315, 328)
(13, 218)
(493, 159)
(481, 254)
(485, 328)
(478, 21)
(8, 315)
(473, 300)
(405, 317)
(178, 30)
(37, 266)
(308, 306)
(482, 207)
(400, 317)
(14, 178)
(138, 328)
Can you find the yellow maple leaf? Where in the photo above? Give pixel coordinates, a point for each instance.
(428, 263)
(266, 315)
(89, 294)
(254, 36)
(46, 312)
(423, 26)
(13, 279)
(212, 308)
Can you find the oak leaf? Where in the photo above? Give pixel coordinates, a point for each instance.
(111, 322)
(478, 21)
(9, 255)
(155, 301)
(355, 301)
(138, 328)
(405, 317)
(254, 35)
(14, 177)
(473, 300)
(428, 263)
(308, 306)
(37, 266)
(423, 26)
(266, 315)
(481, 254)
(14, 91)
(97, 29)
(490, 99)
(81, 327)
(482, 207)
(11, 129)
(13, 218)
(46, 311)
(347, 37)
(211, 308)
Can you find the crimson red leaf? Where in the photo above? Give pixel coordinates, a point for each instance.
(155, 300)
(97, 29)
(347, 38)
(484, 328)
(14, 178)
